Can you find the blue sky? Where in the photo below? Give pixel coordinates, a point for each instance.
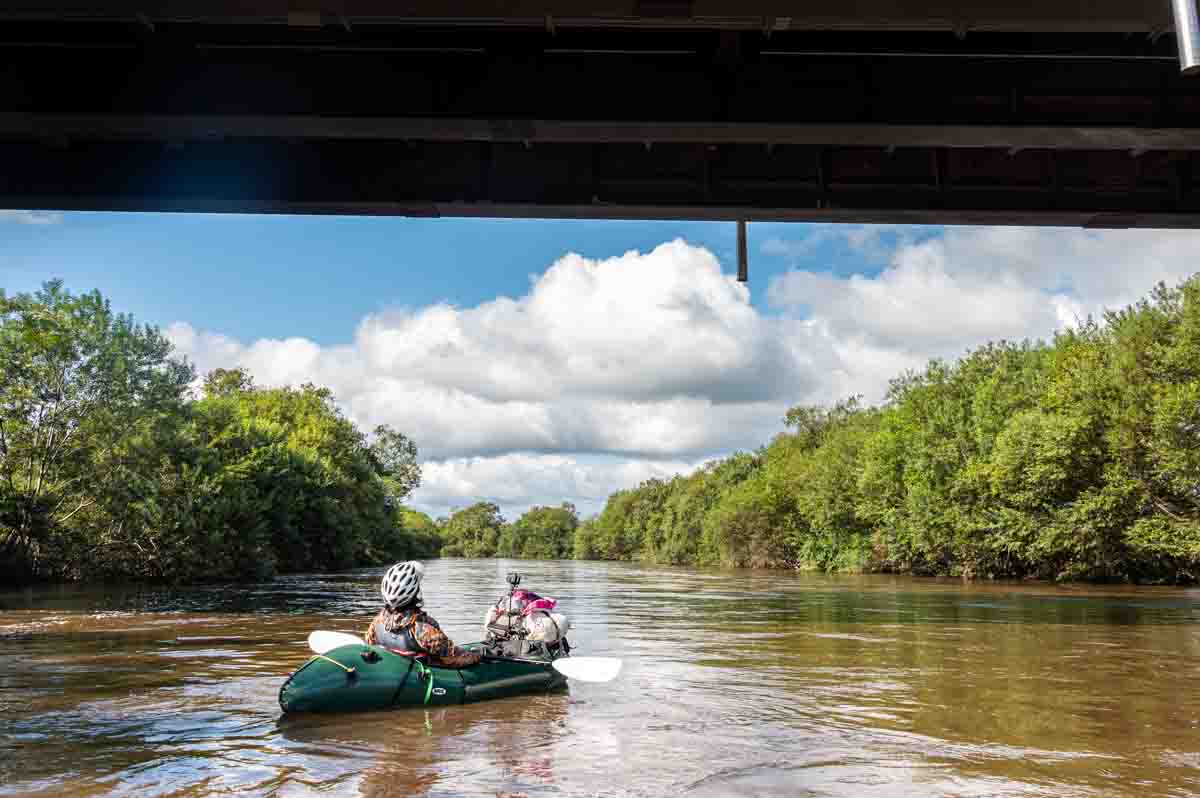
(548, 378)
(275, 276)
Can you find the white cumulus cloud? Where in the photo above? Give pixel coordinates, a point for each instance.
(939, 297)
(656, 355)
(608, 372)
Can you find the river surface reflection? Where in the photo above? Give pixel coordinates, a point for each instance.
(735, 683)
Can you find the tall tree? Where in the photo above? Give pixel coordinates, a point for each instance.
(227, 382)
(395, 457)
(473, 531)
(544, 533)
(76, 382)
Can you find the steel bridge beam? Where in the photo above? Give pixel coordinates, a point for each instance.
(1065, 128)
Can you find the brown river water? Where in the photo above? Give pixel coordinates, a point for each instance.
(734, 683)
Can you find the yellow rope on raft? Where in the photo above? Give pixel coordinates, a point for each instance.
(347, 669)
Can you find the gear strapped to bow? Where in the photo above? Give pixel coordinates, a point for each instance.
(521, 624)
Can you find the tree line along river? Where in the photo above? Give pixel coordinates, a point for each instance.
(735, 683)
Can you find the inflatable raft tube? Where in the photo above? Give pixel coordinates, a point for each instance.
(359, 677)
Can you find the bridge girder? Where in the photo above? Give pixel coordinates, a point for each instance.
(1120, 16)
(695, 116)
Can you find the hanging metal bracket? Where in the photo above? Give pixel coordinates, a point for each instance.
(1187, 36)
(743, 259)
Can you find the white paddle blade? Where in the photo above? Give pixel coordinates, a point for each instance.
(324, 642)
(588, 669)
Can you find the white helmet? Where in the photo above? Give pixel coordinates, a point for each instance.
(402, 583)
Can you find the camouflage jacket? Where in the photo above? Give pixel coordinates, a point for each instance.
(418, 627)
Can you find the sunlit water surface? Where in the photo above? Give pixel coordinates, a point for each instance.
(735, 683)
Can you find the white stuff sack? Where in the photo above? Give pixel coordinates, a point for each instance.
(499, 616)
(546, 627)
(543, 627)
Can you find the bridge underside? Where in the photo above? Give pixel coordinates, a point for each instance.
(680, 116)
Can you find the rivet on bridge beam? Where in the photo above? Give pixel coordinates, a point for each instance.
(303, 18)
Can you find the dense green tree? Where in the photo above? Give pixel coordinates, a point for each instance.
(617, 532)
(473, 531)
(584, 546)
(542, 533)
(79, 384)
(683, 538)
(395, 457)
(328, 496)
(227, 382)
(421, 536)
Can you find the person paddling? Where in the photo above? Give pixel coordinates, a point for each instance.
(404, 627)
